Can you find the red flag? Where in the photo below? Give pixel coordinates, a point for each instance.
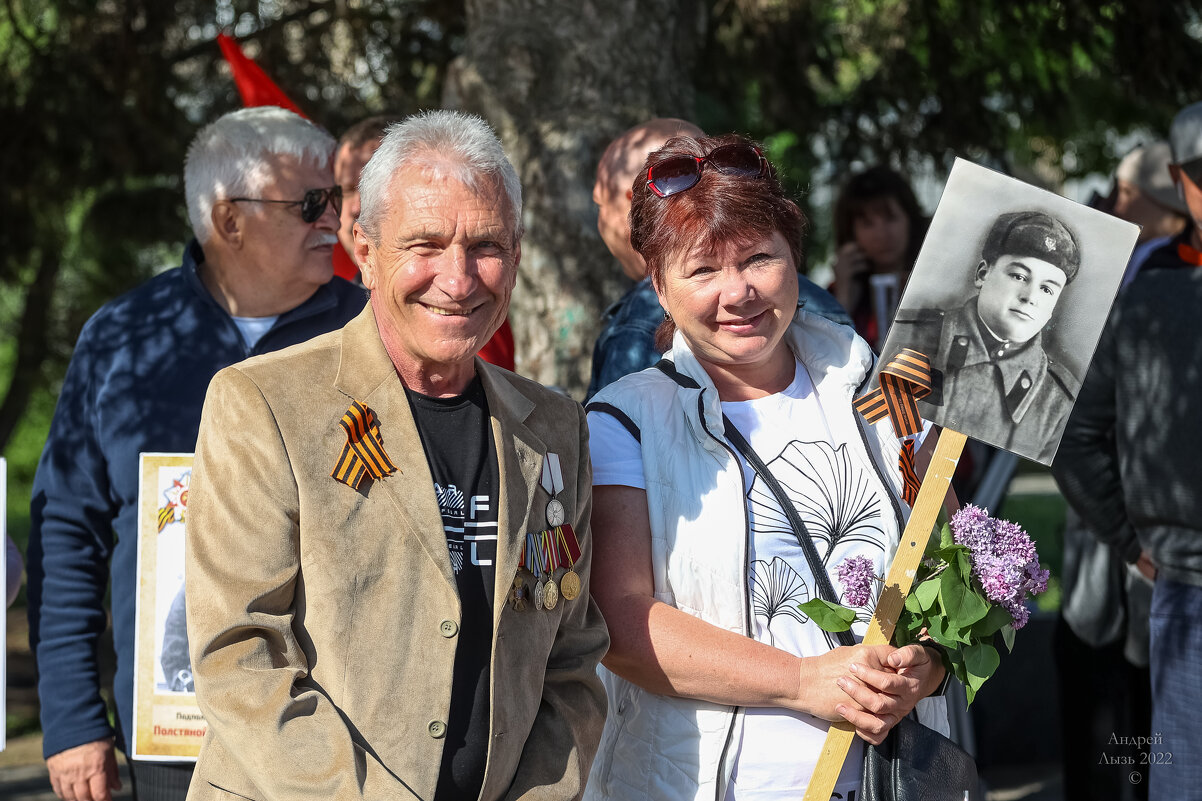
(344, 265)
(253, 84)
(499, 350)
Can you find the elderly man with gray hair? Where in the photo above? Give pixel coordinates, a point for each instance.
(388, 550)
(258, 277)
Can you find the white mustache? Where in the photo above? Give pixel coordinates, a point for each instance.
(323, 239)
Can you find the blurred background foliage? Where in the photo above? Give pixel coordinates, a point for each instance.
(100, 97)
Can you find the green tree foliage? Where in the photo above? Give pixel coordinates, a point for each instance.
(1007, 82)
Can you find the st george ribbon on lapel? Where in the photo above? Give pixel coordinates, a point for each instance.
(363, 454)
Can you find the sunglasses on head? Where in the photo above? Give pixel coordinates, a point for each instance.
(676, 174)
(312, 205)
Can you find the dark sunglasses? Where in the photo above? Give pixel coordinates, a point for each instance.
(1192, 170)
(312, 206)
(679, 173)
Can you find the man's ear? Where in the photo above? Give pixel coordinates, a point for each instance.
(227, 223)
(1178, 181)
(365, 256)
(978, 279)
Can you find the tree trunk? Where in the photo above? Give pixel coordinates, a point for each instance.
(558, 81)
(32, 345)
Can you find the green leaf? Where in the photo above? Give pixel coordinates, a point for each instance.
(925, 593)
(992, 622)
(980, 660)
(945, 537)
(962, 606)
(965, 564)
(937, 631)
(956, 557)
(912, 603)
(1008, 635)
(828, 616)
(906, 630)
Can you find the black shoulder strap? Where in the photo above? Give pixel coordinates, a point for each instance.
(821, 579)
(666, 367)
(617, 414)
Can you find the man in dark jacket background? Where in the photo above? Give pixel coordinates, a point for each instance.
(1128, 466)
(258, 277)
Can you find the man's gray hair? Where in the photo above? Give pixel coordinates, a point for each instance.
(462, 144)
(230, 157)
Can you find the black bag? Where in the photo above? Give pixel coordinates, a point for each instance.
(917, 763)
(914, 763)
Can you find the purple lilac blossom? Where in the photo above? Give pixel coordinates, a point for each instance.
(856, 575)
(1003, 560)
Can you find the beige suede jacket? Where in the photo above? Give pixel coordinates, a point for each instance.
(323, 619)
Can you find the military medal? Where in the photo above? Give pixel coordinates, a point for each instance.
(569, 548)
(549, 555)
(517, 596)
(569, 585)
(539, 595)
(554, 513)
(552, 482)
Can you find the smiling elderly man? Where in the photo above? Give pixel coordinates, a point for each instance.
(388, 542)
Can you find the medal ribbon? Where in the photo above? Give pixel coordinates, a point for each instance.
(567, 553)
(552, 476)
(533, 558)
(363, 455)
(567, 538)
(548, 551)
(903, 382)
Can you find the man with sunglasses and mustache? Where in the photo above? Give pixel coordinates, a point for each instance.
(258, 277)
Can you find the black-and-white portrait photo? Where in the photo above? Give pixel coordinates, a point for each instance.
(1007, 299)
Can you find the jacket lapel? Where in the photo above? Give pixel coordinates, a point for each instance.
(519, 463)
(366, 374)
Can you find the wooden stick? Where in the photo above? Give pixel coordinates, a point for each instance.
(893, 597)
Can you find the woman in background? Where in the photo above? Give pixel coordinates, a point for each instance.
(878, 230)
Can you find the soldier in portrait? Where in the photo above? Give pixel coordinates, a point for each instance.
(991, 371)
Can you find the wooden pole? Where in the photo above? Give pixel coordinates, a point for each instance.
(893, 596)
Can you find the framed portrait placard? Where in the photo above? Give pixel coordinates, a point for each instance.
(1008, 298)
(167, 722)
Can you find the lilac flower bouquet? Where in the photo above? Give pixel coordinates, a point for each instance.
(970, 590)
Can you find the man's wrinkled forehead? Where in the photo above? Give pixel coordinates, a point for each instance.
(434, 192)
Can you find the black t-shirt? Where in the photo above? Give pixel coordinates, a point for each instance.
(457, 437)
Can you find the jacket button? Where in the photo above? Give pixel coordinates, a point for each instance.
(437, 729)
(448, 628)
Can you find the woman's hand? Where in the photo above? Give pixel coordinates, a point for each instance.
(851, 266)
(820, 692)
(885, 693)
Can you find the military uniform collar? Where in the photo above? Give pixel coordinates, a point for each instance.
(1021, 367)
